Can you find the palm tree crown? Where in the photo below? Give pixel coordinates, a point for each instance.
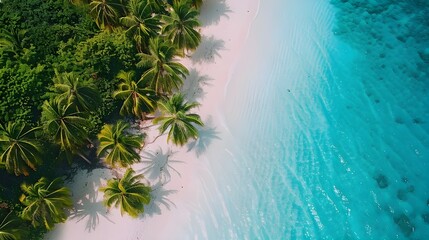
(178, 120)
(69, 88)
(67, 126)
(12, 41)
(105, 12)
(11, 226)
(46, 202)
(196, 3)
(157, 6)
(128, 193)
(20, 151)
(141, 22)
(180, 25)
(164, 74)
(137, 98)
(117, 146)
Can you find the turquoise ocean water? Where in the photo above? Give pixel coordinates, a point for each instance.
(329, 137)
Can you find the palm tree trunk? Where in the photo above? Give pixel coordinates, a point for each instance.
(84, 158)
(149, 126)
(154, 139)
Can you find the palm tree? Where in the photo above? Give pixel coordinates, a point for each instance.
(67, 126)
(20, 151)
(12, 41)
(137, 98)
(180, 25)
(11, 226)
(117, 146)
(164, 74)
(127, 193)
(157, 6)
(106, 13)
(69, 88)
(196, 3)
(177, 119)
(46, 202)
(141, 22)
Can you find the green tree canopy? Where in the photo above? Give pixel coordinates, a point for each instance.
(20, 150)
(196, 3)
(45, 202)
(70, 88)
(127, 193)
(12, 41)
(11, 226)
(67, 126)
(180, 24)
(137, 98)
(164, 74)
(118, 146)
(177, 119)
(141, 22)
(21, 88)
(106, 13)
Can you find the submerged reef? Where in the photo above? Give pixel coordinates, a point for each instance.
(393, 38)
(394, 35)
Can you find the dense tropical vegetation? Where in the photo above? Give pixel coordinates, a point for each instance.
(70, 71)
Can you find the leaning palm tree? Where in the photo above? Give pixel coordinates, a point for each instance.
(163, 74)
(177, 120)
(67, 126)
(137, 98)
(106, 13)
(141, 22)
(46, 202)
(117, 146)
(70, 88)
(180, 25)
(128, 193)
(11, 226)
(20, 150)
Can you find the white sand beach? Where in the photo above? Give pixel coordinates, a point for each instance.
(178, 175)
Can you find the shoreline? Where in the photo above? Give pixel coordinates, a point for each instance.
(177, 174)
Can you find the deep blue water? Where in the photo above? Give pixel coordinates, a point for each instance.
(329, 138)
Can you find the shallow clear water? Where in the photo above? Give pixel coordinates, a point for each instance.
(329, 137)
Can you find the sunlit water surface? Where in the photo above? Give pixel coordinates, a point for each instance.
(328, 120)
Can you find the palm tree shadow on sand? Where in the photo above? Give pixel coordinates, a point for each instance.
(207, 134)
(91, 210)
(212, 11)
(193, 88)
(87, 207)
(159, 165)
(208, 50)
(159, 199)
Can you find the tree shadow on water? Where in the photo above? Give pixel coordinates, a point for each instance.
(207, 134)
(159, 165)
(89, 210)
(193, 88)
(212, 11)
(159, 198)
(208, 50)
